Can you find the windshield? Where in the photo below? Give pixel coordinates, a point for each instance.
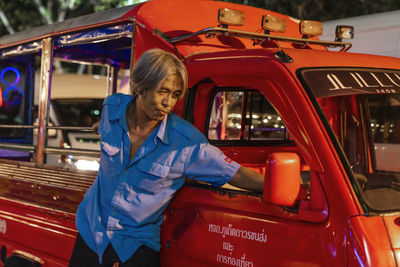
(363, 108)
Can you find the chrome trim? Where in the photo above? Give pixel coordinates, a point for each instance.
(71, 39)
(18, 126)
(72, 128)
(18, 147)
(22, 49)
(44, 96)
(78, 152)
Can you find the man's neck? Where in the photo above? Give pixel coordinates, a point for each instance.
(138, 123)
(139, 127)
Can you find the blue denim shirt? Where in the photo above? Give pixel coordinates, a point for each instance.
(125, 204)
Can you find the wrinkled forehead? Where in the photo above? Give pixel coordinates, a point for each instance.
(173, 81)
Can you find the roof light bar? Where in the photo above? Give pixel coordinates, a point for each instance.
(310, 28)
(250, 35)
(344, 32)
(273, 24)
(231, 17)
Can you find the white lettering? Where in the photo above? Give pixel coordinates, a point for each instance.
(385, 91)
(335, 86)
(365, 83)
(227, 246)
(336, 82)
(380, 83)
(241, 262)
(356, 79)
(390, 78)
(244, 234)
(3, 226)
(339, 82)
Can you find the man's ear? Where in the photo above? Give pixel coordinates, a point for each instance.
(136, 92)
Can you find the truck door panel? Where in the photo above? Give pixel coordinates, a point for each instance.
(214, 226)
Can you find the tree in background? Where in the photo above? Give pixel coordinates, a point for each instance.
(18, 15)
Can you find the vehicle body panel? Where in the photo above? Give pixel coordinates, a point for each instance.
(329, 225)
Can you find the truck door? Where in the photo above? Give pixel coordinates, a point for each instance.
(208, 226)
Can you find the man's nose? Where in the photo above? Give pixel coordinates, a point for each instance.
(167, 100)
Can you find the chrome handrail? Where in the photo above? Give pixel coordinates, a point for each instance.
(75, 151)
(47, 149)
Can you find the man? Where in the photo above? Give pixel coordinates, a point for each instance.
(147, 152)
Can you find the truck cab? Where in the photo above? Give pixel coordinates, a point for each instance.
(266, 91)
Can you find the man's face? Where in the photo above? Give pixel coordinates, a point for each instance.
(157, 103)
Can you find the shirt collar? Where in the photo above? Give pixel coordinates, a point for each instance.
(162, 133)
(121, 116)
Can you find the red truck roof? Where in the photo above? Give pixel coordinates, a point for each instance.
(153, 16)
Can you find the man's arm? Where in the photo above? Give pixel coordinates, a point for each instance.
(248, 179)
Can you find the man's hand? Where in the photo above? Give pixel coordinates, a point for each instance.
(95, 127)
(248, 179)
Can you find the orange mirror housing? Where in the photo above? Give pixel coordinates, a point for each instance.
(282, 178)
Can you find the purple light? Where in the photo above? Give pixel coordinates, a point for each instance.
(16, 71)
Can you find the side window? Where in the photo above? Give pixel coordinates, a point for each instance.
(244, 115)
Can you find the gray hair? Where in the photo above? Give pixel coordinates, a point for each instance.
(153, 67)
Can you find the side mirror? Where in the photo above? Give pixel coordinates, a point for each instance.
(282, 178)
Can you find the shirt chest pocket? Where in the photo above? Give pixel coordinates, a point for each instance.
(153, 176)
(153, 170)
(110, 160)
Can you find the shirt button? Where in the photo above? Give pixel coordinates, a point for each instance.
(113, 213)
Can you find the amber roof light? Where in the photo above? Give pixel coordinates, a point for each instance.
(230, 17)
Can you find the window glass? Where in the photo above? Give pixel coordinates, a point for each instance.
(244, 115)
(78, 112)
(265, 122)
(385, 118)
(385, 128)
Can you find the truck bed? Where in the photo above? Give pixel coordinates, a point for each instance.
(51, 187)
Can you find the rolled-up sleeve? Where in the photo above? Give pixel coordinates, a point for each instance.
(209, 164)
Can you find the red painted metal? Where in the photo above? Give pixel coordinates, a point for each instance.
(282, 179)
(205, 226)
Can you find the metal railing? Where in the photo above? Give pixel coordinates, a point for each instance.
(49, 149)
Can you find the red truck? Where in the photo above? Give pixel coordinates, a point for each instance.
(265, 90)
